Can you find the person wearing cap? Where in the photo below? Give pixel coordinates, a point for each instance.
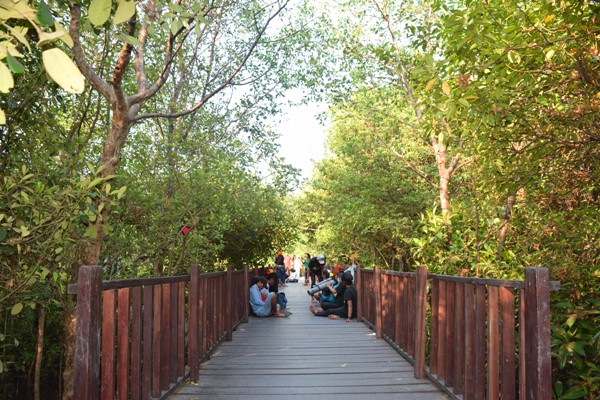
(315, 266)
(348, 309)
(266, 307)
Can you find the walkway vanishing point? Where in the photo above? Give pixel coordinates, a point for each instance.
(306, 357)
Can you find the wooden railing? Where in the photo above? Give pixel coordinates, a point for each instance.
(138, 338)
(479, 338)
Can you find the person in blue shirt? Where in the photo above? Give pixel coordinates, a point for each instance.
(267, 306)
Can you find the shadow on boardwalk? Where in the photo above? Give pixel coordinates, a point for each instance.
(306, 357)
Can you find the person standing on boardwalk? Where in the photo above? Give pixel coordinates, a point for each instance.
(348, 309)
(263, 307)
(315, 266)
(306, 269)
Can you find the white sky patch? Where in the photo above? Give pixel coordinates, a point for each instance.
(302, 135)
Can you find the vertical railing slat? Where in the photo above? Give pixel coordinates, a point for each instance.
(108, 345)
(147, 342)
(508, 390)
(480, 342)
(420, 321)
(538, 358)
(493, 345)
(469, 361)
(136, 342)
(123, 345)
(87, 333)
(459, 339)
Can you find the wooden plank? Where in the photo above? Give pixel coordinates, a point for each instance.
(459, 339)
(377, 290)
(450, 293)
(156, 340)
(173, 325)
(165, 335)
(522, 341)
(538, 360)
(480, 343)
(469, 392)
(404, 318)
(410, 328)
(420, 321)
(87, 333)
(433, 344)
(508, 385)
(123, 345)
(397, 310)
(109, 303)
(442, 313)
(181, 307)
(136, 343)
(493, 377)
(147, 342)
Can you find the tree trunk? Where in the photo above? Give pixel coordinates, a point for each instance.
(69, 371)
(39, 352)
(445, 173)
(507, 217)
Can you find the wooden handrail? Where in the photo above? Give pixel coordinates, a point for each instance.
(472, 325)
(136, 348)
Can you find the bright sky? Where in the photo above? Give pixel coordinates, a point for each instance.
(302, 136)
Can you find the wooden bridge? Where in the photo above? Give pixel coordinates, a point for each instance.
(189, 337)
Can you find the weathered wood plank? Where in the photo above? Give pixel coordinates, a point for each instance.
(306, 357)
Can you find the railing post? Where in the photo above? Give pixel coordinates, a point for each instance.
(229, 305)
(420, 320)
(246, 295)
(378, 302)
(87, 333)
(538, 378)
(193, 339)
(361, 300)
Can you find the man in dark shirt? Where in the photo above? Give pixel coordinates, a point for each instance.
(315, 266)
(348, 310)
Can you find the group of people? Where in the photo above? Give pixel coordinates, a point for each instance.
(337, 300)
(287, 268)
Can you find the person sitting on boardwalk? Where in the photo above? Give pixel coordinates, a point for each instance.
(348, 309)
(333, 294)
(267, 306)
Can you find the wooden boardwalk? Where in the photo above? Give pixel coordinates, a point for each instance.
(306, 357)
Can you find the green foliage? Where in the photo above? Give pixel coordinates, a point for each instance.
(576, 347)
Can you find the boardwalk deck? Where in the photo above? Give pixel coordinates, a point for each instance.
(306, 357)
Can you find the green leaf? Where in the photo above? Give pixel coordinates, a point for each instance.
(94, 182)
(574, 393)
(176, 25)
(24, 231)
(44, 14)
(91, 232)
(63, 71)
(6, 79)
(125, 11)
(130, 40)
(99, 11)
(549, 54)
(16, 309)
(14, 64)
(2, 234)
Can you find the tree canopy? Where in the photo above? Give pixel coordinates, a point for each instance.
(138, 136)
